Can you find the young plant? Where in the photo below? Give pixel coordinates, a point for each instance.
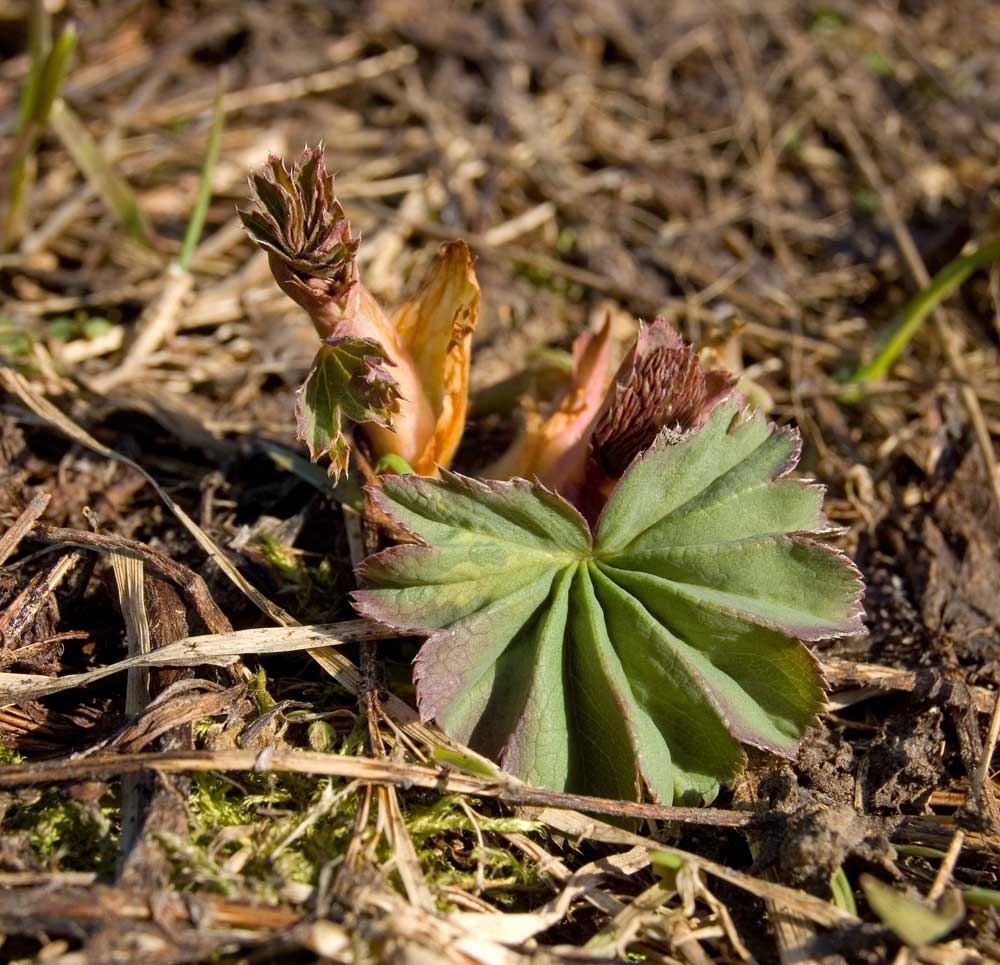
(49, 66)
(402, 378)
(621, 624)
(624, 635)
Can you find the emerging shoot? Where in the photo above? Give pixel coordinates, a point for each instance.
(402, 377)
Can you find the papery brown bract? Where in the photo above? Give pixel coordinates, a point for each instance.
(554, 449)
(435, 329)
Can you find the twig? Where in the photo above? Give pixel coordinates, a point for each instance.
(281, 92)
(100, 902)
(370, 771)
(220, 649)
(946, 867)
(128, 570)
(18, 385)
(870, 679)
(27, 879)
(22, 610)
(155, 327)
(981, 789)
(189, 582)
(10, 540)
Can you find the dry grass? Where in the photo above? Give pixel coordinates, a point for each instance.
(778, 179)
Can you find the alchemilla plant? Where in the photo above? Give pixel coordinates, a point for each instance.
(625, 601)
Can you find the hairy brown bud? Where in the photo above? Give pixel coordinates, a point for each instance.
(295, 216)
(661, 383)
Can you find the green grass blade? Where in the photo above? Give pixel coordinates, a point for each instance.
(39, 44)
(113, 190)
(919, 851)
(346, 490)
(197, 220)
(982, 897)
(467, 763)
(52, 75)
(840, 889)
(21, 179)
(46, 75)
(948, 280)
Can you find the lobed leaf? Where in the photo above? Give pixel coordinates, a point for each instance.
(348, 381)
(638, 659)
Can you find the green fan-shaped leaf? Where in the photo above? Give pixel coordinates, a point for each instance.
(638, 658)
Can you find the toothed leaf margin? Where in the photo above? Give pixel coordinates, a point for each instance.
(349, 382)
(295, 215)
(634, 660)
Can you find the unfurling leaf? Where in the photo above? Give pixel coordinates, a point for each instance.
(636, 656)
(661, 383)
(348, 381)
(295, 216)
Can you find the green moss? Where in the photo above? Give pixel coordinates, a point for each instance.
(240, 828)
(447, 814)
(264, 700)
(448, 847)
(868, 201)
(68, 328)
(879, 63)
(826, 21)
(15, 344)
(253, 834)
(9, 756)
(66, 834)
(309, 590)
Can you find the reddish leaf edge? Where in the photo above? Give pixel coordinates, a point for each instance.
(367, 605)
